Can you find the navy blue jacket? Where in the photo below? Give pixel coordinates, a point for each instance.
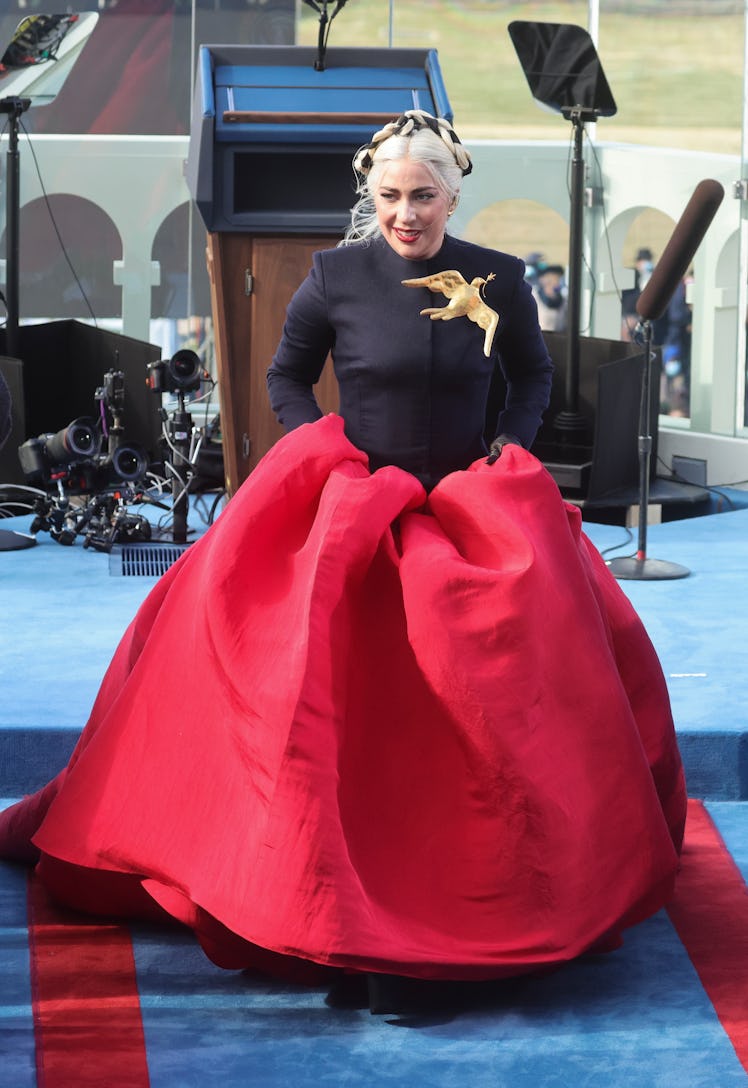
(413, 392)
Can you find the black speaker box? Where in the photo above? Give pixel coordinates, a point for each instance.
(10, 468)
(609, 397)
(60, 366)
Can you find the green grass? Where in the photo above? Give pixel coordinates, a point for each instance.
(670, 74)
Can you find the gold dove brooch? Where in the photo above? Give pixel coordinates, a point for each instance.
(465, 300)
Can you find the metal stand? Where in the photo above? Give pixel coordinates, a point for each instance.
(570, 424)
(324, 28)
(14, 107)
(180, 431)
(564, 73)
(639, 566)
(37, 50)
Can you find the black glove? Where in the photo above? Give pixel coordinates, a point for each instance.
(498, 444)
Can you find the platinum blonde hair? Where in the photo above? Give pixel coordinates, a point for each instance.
(416, 136)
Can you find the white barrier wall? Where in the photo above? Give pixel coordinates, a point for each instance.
(139, 181)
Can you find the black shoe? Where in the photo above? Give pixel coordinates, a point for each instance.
(350, 991)
(398, 994)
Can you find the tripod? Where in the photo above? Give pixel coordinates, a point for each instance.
(180, 432)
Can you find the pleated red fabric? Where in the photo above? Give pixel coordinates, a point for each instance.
(363, 727)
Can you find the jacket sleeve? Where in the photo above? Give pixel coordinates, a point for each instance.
(525, 363)
(298, 362)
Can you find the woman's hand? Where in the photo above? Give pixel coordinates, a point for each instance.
(498, 445)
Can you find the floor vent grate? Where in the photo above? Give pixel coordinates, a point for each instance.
(145, 560)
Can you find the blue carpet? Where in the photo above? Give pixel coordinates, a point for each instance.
(16, 1024)
(698, 625)
(68, 613)
(638, 1017)
(731, 821)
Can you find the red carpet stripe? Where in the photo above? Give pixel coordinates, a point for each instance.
(87, 1018)
(86, 1009)
(710, 913)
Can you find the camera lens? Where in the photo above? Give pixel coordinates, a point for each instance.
(76, 442)
(129, 463)
(185, 369)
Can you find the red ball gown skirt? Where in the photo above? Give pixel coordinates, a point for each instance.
(358, 726)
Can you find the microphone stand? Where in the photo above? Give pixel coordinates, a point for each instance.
(639, 566)
(324, 28)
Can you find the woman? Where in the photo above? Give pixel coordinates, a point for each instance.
(421, 731)
(413, 393)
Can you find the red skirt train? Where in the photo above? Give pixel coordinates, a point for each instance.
(363, 727)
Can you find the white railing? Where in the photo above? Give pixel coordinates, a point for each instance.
(139, 181)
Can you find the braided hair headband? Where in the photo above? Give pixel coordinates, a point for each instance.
(405, 125)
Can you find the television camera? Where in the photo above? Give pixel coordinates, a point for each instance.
(88, 457)
(92, 458)
(181, 374)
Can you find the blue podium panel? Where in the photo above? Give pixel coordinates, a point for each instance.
(248, 99)
(272, 137)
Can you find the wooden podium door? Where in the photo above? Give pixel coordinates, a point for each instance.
(252, 279)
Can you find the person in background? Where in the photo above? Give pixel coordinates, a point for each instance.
(549, 291)
(676, 352)
(644, 264)
(643, 268)
(532, 263)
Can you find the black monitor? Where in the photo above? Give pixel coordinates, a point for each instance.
(562, 68)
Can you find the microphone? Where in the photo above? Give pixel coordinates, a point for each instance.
(678, 253)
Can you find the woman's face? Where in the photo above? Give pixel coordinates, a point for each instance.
(411, 209)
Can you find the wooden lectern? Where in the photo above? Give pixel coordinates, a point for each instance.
(269, 169)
